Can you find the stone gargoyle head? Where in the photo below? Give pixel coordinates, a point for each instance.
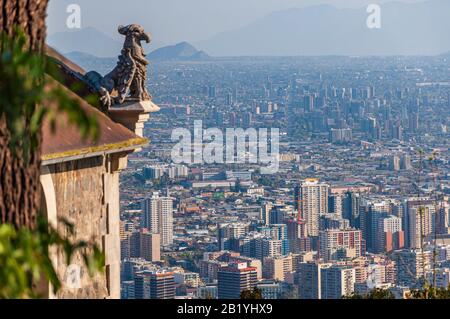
(134, 34)
(128, 79)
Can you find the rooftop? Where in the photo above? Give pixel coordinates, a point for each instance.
(65, 142)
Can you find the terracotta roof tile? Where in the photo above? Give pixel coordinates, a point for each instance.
(66, 141)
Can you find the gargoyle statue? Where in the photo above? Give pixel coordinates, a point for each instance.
(128, 79)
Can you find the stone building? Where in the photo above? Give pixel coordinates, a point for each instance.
(80, 181)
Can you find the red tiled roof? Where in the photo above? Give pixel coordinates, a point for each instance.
(66, 141)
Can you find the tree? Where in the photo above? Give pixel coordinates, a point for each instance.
(254, 294)
(430, 292)
(19, 162)
(26, 260)
(377, 293)
(25, 93)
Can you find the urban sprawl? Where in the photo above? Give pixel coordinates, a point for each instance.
(360, 200)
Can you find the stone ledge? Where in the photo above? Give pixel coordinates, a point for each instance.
(135, 106)
(133, 114)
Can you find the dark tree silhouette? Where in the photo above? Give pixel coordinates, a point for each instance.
(20, 166)
(254, 294)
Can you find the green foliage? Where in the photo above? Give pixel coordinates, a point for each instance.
(430, 292)
(26, 93)
(87, 124)
(254, 294)
(218, 196)
(25, 258)
(426, 292)
(21, 88)
(162, 182)
(376, 293)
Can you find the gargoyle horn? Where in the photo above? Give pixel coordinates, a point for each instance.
(134, 28)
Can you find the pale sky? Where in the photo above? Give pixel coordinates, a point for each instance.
(172, 21)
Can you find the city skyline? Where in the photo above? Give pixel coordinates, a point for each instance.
(302, 154)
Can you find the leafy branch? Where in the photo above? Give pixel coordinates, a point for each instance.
(26, 94)
(26, 258)
(29, 95)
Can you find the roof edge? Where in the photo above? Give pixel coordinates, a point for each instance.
(128, 145)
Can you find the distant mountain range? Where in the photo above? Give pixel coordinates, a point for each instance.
(421, 28)
(88, 40)
(89, 43)
(91, 62)
(180, 51)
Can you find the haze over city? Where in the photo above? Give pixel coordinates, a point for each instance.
(225, 150)
(269, 28)
(352, 103)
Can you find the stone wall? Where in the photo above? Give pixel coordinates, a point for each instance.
(86, 194)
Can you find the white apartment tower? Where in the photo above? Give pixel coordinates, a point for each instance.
(314, 202)
(158, 217)
(420, 221)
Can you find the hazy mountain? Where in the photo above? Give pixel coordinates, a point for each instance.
(91, 41)
(80, 56)
(180, 51)
(407, 29)
(90, 62)
(88, 40)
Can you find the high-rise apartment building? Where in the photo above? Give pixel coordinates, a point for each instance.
(267, 247)
(278, 214)
(265, 212)
(325, 281)
(371, 212)
(127, 290)
(389, 235)
(336, 204)
(394, 163)
(314, 202)
(158, 217)
(337, 282)
(309, 280)
(397, 131)
(412, 266)
(158, 284)
(234, 279)
(212, 92)
(342, 135)
(441, 277)
(405, 162)
(277, 267)
(229, 233)
(443, 218)
(351, 209)
(297, 236)
(338, 244)
(145, 245)
(420, 221)
(131, 266)
(151, 246)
